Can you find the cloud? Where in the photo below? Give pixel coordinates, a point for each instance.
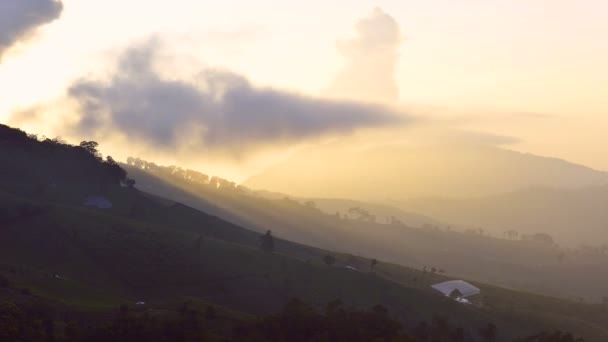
(19, 18)
(216, 111)
(371, 60)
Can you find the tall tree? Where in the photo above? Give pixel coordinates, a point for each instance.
(329, 259)
(267, 242)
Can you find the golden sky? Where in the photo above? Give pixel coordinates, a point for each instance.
(533, 70)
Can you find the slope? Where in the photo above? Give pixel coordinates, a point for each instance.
(525, 265)
(571, 216)
(402, 171)
(152, 249)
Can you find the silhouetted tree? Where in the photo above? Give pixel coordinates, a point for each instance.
(457, 335)
(310, 204)
(117, 174)
(422, 331)
(560, 257)
(267, 242)
(362, 214)
(440, 328)
(329, 259)
(199, 242)
(299, 322)
(489, 332)
(210, 312)
(91, 147)
(130, 183)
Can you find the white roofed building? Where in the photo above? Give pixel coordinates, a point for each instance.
(456, 289)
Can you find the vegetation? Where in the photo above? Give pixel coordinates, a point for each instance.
(65, 268)
(532, 264)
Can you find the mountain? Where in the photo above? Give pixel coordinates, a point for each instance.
(67, 264)
(366, 232)
(402, 171)
(570, 216)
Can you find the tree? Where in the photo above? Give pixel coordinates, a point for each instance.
(199, 242)
(130, 182)
(329, 260)
(4, 282)
(117, 174)
(310, 204)
(267, 242)
(489, 332)
(91, 147)
(10, 321)
(362, 214)
(538, 237)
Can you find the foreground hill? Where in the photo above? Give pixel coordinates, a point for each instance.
(402, 171)
(571, 216)
(66, 265)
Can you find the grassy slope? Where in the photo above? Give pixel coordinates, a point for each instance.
(146, 248)
(517, 264)
(104, 259)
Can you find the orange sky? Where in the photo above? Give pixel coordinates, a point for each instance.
(534, 70)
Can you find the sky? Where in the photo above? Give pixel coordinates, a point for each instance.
(536, 71)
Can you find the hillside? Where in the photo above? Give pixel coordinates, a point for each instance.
(526, 265)
(75, 263)
(401, 171)
(383, 212)
(69, 255)
(572, 216)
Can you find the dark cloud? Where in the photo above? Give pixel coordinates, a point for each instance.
(371, 60)
(217, 111)
(18, 18)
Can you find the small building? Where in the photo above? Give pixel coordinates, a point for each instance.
(99, 202)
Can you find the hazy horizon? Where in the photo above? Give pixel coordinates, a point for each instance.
(510, 72)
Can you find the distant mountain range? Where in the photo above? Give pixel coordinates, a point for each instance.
(399, 172)
(571, 216)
